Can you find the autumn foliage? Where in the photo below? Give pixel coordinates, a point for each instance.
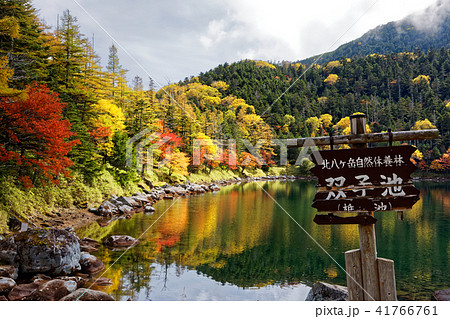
(34, 138)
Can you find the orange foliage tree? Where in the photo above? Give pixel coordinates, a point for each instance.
(34, 140)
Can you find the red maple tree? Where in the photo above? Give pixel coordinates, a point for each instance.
(34, 137)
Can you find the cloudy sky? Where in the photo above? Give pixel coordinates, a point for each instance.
(173, 39)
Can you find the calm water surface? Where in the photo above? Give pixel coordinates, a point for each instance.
(238, 244)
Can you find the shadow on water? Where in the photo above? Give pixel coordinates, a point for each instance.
(238, 244)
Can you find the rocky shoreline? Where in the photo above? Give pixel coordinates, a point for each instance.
(124, 207)
(49, 262)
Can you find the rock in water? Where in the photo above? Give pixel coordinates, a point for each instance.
(6, 284)
(84, 294)
(52, 290)
(121, 241)
(88, 245)
(52, 251)
(442, 295)
(20, 292)
(90, 264)
(149, 208)
(322, 291)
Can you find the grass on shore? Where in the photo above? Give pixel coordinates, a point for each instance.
(74, 192)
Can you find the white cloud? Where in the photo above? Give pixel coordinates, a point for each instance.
(177, 39)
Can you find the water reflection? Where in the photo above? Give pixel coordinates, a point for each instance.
(238, 244)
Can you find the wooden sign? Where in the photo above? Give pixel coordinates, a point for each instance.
(365, 180)
(374, 192)
(364, 167)
(331, 219)
(361, 205)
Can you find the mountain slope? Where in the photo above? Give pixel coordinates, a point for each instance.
(425, 30)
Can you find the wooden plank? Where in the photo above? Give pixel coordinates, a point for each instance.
(364, 138)
(354, 275)
(364, 192)
(367, 240)
(365, 204)
(369, 266)
(386, 274)
(331, 219)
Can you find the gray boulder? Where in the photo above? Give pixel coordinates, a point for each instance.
(52, 251)
(179, 190)
(149, 208)
(214, 188)
(6, 284)
(130, 201)
(84, 294)
(8, 252)
(107, 209)
(322, 291)
(142, 198)
(125, 209)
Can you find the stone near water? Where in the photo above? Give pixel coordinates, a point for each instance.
(214, 188)
(88, 244)
(84, 294)
(442, 295)
(322, 291)
(178, 190)
(52, 290)
(9, 271)
(20, 292)
(149, 208)
(80, 281)
(107, 208)
(130, 201)
(6, 284)
(121, 241)
(53, 251)
(90, 264)
(125, 209)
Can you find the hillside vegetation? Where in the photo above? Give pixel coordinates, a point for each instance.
(67, 120)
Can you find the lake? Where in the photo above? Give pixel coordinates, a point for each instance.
(242, 243)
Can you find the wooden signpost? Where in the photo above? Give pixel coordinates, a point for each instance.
(362, 181)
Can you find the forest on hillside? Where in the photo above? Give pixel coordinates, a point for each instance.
(66, 118)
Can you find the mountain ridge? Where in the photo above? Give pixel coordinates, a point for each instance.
(420, 31)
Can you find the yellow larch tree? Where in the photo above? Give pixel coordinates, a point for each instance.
(331, 79)
(109, 119)
(423, 125)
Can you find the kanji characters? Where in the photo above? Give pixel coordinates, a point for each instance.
(332, 195)
(393, 190)
(363, 180)
(337, 181)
